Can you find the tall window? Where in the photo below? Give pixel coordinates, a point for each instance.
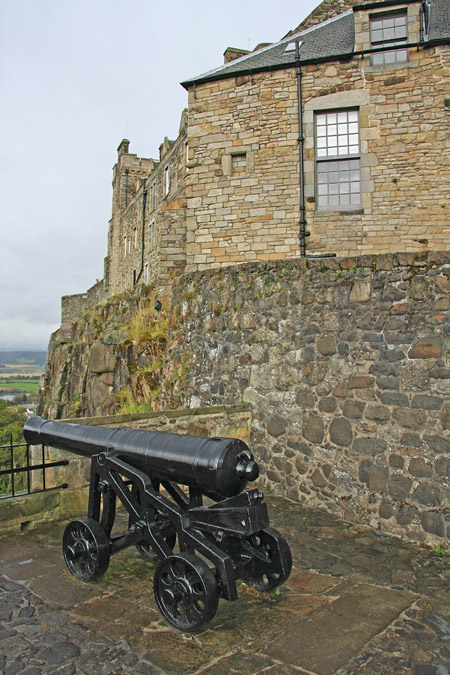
(152, 196)
(151, 233)
(338, 163)
(166, 181)
(146, 274)
(389, 30)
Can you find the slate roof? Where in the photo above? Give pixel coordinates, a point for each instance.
(440, 20)
(334, 38)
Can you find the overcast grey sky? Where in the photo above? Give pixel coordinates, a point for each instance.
(76, 78)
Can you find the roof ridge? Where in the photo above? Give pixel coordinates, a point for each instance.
(273, 45)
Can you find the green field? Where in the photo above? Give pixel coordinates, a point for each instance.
(12, 385)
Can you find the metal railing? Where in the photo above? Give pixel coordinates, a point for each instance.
(18, 478)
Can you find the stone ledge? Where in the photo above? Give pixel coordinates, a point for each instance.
(173, 413)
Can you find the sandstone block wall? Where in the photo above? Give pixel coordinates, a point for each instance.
(243, 194)
(163, 243)
(346, 363)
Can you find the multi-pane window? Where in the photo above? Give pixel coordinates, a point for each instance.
(338, 164)
(389, 30)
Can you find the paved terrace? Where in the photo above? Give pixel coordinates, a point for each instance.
(356, 602)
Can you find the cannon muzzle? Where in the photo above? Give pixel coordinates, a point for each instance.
(219, 467)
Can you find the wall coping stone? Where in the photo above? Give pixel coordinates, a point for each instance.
(176, 412)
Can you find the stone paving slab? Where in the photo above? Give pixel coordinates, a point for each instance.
(355, 602)
(356, 614)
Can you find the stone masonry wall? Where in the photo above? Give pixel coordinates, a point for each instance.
(243, 193)
(164, 227)
(346, 363)
(72, 306)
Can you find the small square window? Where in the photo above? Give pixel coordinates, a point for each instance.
(239, 164)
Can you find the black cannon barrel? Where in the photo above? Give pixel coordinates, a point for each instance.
(219, 467)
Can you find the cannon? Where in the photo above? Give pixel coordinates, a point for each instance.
(161, 479)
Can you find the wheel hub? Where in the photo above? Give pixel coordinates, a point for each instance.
(174, 594)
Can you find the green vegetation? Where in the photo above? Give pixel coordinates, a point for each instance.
(128, 405)
(12, 419)
(13, 384)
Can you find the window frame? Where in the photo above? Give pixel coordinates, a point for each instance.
(399, 53)
(166, 186)
(323, 158)
(152, 196)
(151, 234)
(238, 164)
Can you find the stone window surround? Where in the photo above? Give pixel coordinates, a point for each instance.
(166, 179)
(362, 34)
(227, 160)
(397, 53)
(153, 196)
(358, 98)
(151, 237)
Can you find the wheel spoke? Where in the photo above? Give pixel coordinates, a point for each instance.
(185, 591)
(86, 549)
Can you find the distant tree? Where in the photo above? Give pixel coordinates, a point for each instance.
(12, 419)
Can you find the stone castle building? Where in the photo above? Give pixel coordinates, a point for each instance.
(369, 173)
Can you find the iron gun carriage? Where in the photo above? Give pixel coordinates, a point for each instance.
(202, 549)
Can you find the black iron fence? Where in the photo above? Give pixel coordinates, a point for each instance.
(24, 470)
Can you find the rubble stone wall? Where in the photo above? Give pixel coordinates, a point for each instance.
(72, 306)
(346, 363)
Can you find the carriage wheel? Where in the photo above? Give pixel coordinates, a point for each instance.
(86, 549)
(271, 559)
(186, 591)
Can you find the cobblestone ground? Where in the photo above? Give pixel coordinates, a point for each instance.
(356, 602)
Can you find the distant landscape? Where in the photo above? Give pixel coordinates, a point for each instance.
(13, 358)
(19, 374)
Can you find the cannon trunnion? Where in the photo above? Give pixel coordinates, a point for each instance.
(202, 550)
